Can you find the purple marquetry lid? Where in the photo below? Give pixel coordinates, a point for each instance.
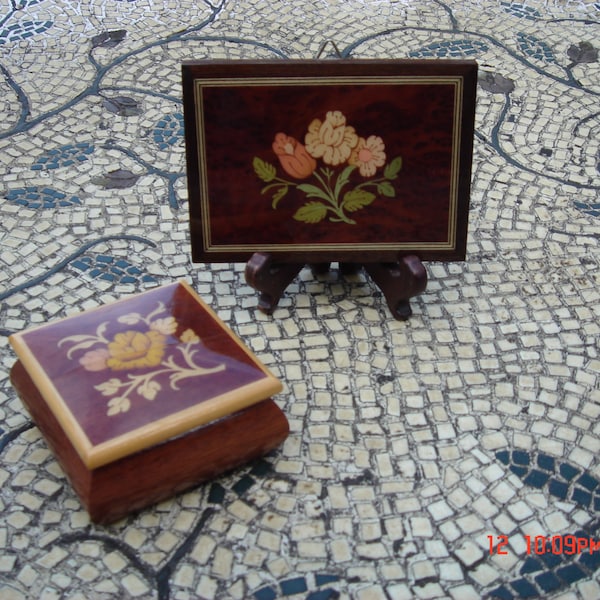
(137, 372)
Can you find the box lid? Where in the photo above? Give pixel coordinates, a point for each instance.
(137, 372)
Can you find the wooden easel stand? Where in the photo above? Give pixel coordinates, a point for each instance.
(398, 281)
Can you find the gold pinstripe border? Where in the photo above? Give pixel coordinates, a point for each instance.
(450, 243)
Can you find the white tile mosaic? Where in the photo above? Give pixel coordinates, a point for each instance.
(419, 451)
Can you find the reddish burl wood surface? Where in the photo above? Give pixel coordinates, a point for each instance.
(243, 199)
(132, 483)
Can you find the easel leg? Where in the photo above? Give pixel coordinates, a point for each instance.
(319, 268)
(399, 282)
(270, 279)
(349, 269)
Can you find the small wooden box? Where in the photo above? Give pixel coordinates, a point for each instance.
(145, 397)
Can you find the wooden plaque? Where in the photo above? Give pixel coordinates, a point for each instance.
(309, 161)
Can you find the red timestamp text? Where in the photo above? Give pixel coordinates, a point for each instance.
(547, 544)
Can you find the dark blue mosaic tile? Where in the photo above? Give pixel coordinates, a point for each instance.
(525, 589)
(589, 559)
(266, 593)
(323, 595)
(548, 582)
(243, 485)
(546, 462)
(216, 495)
(261, 468)
(520, 457)
(531, 565)
(503, 456)
(169, 131)
(107, 268)
(23, 30)
(40, 197)
(588, 482)
(520, 471)
(450, 48)
(293, 586)
(581, 497)
(298, 585)
(558, 489)
(534, 47)
(323, 579)
(63, 156)
(571, 573)
(521, 11)
(567, 471)
(551, 560)
(536, 478)
(503, 593)
(585, 533)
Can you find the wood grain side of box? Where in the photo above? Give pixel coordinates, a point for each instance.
(112, 491)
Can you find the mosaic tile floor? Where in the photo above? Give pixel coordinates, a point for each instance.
(455, 455)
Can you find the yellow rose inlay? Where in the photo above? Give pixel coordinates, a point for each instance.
(134, 350)
(150, 360)
(332, 189)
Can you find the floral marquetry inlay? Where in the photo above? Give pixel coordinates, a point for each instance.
(342, 152)
(134, 350)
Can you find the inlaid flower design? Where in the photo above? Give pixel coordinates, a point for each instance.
(330, 187)
(146, 351)
(368, 155)
(293, 156)
(331, 139)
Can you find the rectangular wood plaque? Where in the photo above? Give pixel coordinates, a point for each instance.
(354, 160)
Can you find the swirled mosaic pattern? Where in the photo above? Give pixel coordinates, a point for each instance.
(455, 455)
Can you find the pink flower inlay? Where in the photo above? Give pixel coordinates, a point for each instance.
(95, 360)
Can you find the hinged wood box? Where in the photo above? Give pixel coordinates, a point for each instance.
(146, 397)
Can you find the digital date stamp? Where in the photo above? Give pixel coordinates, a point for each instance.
(546, 544)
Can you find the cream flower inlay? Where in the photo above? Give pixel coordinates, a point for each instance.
(332, 190)
(149, 342)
